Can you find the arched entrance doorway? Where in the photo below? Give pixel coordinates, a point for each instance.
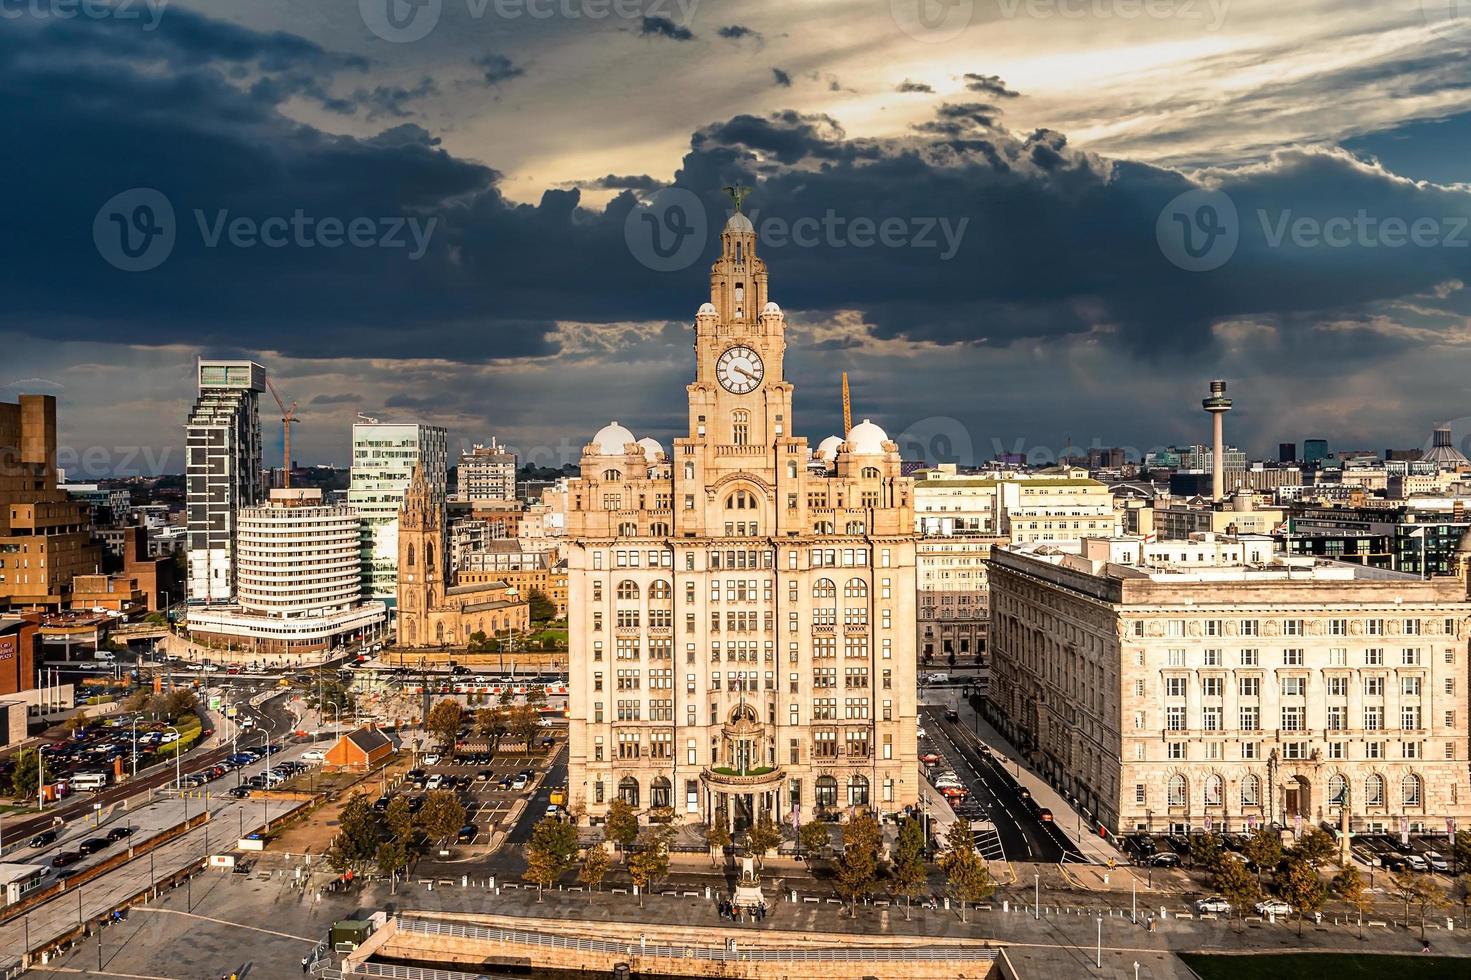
(1296, 797)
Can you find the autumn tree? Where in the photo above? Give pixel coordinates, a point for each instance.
(549, 854)
(1316, 846)
(595, 864)
(392, 858)
(540, 608)
(1301, 888)
(650, 863)
(1236, 885)
(622, 823)
(966, 876)
(1419, 892)
(909, 868)
(763, 837)
(1348, 885)
(524, 722)
(443, 814)
(355, 848)
(814, 838)
(444, 722)
(26, 776)
(400, 819)
(1205, 851)
(718, 837)
(1264, 849)
(1461, 890)
(1461, 851)
(858, 868)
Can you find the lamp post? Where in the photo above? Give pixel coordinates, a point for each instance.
(1037, 899)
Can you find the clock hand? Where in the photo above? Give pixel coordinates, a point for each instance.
(745, 372)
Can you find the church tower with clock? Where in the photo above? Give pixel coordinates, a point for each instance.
(741, 607)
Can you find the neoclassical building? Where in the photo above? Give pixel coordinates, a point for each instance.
(432, 612)
(742, 609)
(1210, 683)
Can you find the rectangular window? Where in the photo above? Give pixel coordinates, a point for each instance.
(1292, 657)
(1251, 719)
(1248, 658)
(1374, 657)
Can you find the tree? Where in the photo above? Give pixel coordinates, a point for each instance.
(26, 775)
(444, 721)
(542, 609)
(1205, 851)
(180, 702)
(355, 848)
(909, 869)
(400, 819)
(478, 642)
(718, 837)
(1264, 849)
(1236, 885)
(392, 857)
(622, 823)
(763, 837)
(1301, 888)
(1316, 846)
(507, 697)
(858, 868)
(442, 815)
(1421, 892)
(524, 722)
(814, 838)
(966, 876)
(595, 864)
(1348, 885)
(487, 722)
(77, 722)
(1461, 889)
(536, 697)
(650, 865)
(550, 853)
(1461, 851)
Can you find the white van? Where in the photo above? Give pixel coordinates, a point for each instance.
(92, 781)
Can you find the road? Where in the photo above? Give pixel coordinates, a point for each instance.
(556, 776)
(1023, 836)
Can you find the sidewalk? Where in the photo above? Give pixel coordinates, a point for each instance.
(1078, 828)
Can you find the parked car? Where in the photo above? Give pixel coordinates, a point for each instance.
(1216, 905)
(483, 776)
(93, 844)
(432, 759)
(435, 781)
(313, 755)
(1044, 814)
(466, 834)
(118, 833)
(65, 858)
(1437, 861)
(519, 781)
(1166, 860)
(1273, 906)
(1416, 863)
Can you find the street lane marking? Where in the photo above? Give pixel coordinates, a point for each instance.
(227, 922)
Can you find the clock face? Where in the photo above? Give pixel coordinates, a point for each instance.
(740, 370)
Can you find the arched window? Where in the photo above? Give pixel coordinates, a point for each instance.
(612, 476)
(1410, 790)
(659, 792)
(1337, 789)
(628, 589)
(1251, 791)
(870, 473)
(628, 790)
(741, 500)
(858, 790)
(1177, 790)
(740, 427)
(822, 527)
(791, 470)
(1374, 790)
(1214, 790)
(439, 633)
(429, 563)
(824, 588)
(855, 527)
(659, 529)
(628, 529)
(411, 554)
(689, 471)
(856, 588)
(827, 791)
(660, 591)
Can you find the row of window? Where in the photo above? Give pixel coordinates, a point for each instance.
(1177, 791)
(1337, 626)
(1294, 686)
(1293, 718)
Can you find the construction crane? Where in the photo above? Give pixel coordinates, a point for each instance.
(288, 419)
(847, 407)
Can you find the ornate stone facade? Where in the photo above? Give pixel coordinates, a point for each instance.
(741, 611)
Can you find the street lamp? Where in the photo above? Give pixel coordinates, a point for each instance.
(1037, 900)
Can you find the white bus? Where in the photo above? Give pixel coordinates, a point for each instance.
(92, 781)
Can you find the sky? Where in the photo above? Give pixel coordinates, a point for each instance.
(1019, 225)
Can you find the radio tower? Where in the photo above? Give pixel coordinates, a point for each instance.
(1217, 405)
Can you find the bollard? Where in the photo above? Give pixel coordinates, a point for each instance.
(947, 903)
(1005, 905)
(707, 893)
(464, 881)
(1164, 913)
(794, 895)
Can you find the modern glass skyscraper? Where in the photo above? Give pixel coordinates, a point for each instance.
(384, 455)
(223, 470)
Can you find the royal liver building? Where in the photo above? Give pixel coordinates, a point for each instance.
(742, 609)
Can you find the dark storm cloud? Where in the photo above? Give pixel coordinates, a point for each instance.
(664, 27)
(738, 32)
(781, 78)
(345, 398)
(1053, 242)
(912, 86)
(991, 85)
(497, 68)
(623, 182)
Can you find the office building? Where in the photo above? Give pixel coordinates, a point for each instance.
(1314, 452)
(1212, 684)
(222, 471)
(486, 473)
(741, 611)
(1287, 452)
(384, 457)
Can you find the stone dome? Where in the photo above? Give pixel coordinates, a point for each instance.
(827, 449)
(708, 309)
(612, 438)
(867, 438)
(739, 222)
(771, 308)
(652, 449)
